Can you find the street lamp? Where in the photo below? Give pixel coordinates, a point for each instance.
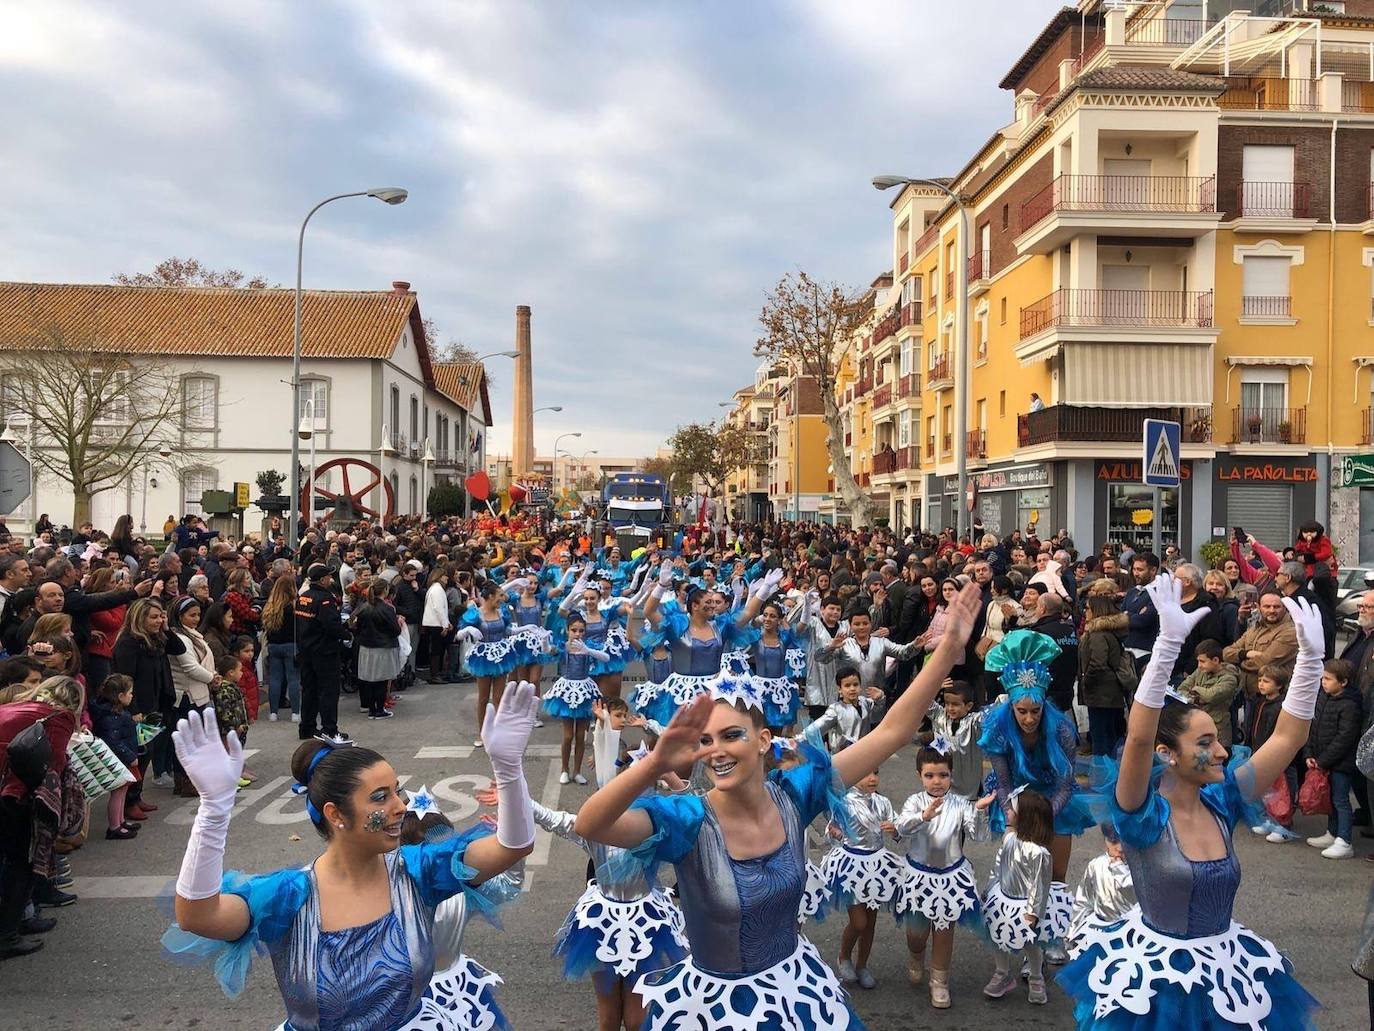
(306, 431)
(426, 460)
(387, 195)
(961, 373)
(547, 408)
(555, 455)
(164, 452)
(581, 466)
(382, 452)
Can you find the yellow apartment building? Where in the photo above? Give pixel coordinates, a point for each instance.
(798, 480)
(1175, 224)
(746, 487)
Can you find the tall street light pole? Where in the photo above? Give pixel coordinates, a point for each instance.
(961, 359)
(388, 195)
(555, 455)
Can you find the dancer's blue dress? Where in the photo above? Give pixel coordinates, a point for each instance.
(749, 968)
(377, 977)
(776, 668)
(573, 693)
(498, 652)
(696, 661)
(1177, 959)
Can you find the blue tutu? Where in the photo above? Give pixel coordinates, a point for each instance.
(571, 699)
(617, 646)
(660, 702)
(620, 938)
(534, 646)
(494, 658)
(781, 700)
(1130, 977)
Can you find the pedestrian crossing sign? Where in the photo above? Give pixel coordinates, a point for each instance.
(1160, 461)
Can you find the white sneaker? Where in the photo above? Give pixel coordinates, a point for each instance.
(1276, 838)
(477, 743)
(295, 717)
(579, 779)
(563, 778)
(272, 716)
(1258, 830)
(1322, 841)
(164, 780)
(845, 970)
(538, 724)
(1340, 849)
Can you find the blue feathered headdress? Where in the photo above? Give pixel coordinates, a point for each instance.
(1022, 658)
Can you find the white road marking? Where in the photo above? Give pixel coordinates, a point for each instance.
(466, 751)
(122, 887)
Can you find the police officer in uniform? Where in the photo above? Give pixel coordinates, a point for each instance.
(319, 637)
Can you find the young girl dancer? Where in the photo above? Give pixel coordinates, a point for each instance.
(495, 652)
(535, 642)
(939, 887)
(1017, 901)
(1106, 892)
(1178, 959)
(572, 696)
(1030, 743)
(350, 936)
(777, 661)
(862, 874)
(740, 852)
(622, 927)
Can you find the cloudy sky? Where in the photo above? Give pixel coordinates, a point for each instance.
(639, 173)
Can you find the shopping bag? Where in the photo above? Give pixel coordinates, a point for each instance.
(1314, 797)
(403, 642)
(146, 732)
(1278, 802)
(96, 766)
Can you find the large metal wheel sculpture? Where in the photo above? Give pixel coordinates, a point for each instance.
(347, 505)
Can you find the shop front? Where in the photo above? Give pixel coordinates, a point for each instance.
(1268, 497)
(1125, 507)
(1010, 498)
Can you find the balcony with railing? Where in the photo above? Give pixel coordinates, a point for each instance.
(1145, 31)
(886, 327)
(930, 448)
(1266, 308)
(882, 396)
(864, 387)
(949, 284)
(1275, 202)
(1174, 206)
(907, 386)
(941, 378)
(1357, 97)
(1091, 425)
(903, 262)
(1367, 426)
(1269, 426)
(888, 462)
(947, 444)
(1269, 93)
(976, 445)
(979, 272)
(1126, 309)
(910, 314)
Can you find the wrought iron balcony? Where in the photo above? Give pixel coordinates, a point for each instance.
(1093, 425)
(1269, 426)
(1125, 308)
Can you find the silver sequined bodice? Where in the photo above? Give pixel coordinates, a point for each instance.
(939, 842)
(868, 812)
(617, 874)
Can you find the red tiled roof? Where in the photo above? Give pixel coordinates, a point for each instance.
(211, 321)
(466, 384)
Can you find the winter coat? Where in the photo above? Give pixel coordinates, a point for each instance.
(409, 601)
(193, 669)
(1215, 692)
(1318, 551)
(1144, 628)
(375, 626)
(1209, 629)
(1335, 730)
(1099, 656)
(151, 671)
(116, 729)
(1264, 716)
(1278, 643)
(1064, 667)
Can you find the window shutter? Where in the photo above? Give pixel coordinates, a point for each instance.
(1265, 277)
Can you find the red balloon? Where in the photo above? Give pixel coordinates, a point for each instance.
(478, 485)
(517, 493)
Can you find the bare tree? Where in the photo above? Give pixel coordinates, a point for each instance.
(450, 350)
(807, 326)
(176, 271)
(97, 415)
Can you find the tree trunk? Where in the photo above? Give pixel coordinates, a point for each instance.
(859, 504)
(81, 506)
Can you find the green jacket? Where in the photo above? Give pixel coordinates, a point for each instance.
(1214, 692)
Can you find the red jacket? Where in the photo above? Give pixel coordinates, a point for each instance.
(109, 622)
(1318, 551)
(18, 715)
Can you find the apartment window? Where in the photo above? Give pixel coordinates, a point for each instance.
(194, 483)
(1267, 188)
(395, 426)
(1002, 404)
(911, 290)
(315, 402)
(414, 496)
(11, 401)
(414, 419)
(199, 401)
(903, 432)
(904, 359)
(931, 277)
(425, 436)
(112, 390)
(1002, 315)
(934, 355)
(1006, 216)
(1264, 291)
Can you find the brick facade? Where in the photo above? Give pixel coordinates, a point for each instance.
(1021, 187)
(1353, 148)
(1311, 161)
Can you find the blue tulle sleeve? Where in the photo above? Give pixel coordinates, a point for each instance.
(672, 624)
(814, 786)
(677, 821)
(1232, 799)
(437, 868)
(273, 901)
(735, 637)
(471, 617)
(1143, 827)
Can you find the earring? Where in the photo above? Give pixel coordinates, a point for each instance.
(339, 825)
(1173, 762)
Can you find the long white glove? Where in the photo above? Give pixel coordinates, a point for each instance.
(215, 771)
(471, 634)
(505, 733)
(1175, 625)
(768, 585)
(665, 579)
(1301, 700)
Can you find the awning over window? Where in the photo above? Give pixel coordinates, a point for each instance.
(1137, 375)
(1267, 359)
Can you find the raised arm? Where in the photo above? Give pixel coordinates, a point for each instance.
(1137, 758)
(1290, 732)
(757, 595)
(665, 584)
(607, 817)
(902, 721)
(505, 733)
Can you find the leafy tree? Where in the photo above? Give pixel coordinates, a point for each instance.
(97, 415)
(446, 499)
(807, 326)
(709, 453)
(663, 467)
(176, 271)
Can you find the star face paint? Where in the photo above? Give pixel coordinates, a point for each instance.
(1202, 760)
(376, 820)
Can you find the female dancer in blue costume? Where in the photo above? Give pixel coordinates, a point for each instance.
(698, 639)
(573, 695)
(1178, 959)
(777, 661)
(605, 630)
(1030, 743)
(495, 650)
(351, 935)
(528, 607)
(739, 851)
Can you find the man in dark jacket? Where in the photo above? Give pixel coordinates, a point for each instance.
(79, 605)
(1331, 741)
(319, 635)
(1050, 621)
(1211, 628)
(410, 605)
(1359, 652)
(1140, 610)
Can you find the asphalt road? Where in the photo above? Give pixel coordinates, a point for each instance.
(103, 967)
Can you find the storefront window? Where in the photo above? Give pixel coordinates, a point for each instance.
(1130, 514)
(1033, 507)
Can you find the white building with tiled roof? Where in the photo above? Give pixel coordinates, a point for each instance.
(366, 378)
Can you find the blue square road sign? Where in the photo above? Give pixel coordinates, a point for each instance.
(1160, 460)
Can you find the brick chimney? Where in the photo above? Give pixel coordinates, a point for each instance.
(522, 421)
(400, 286)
